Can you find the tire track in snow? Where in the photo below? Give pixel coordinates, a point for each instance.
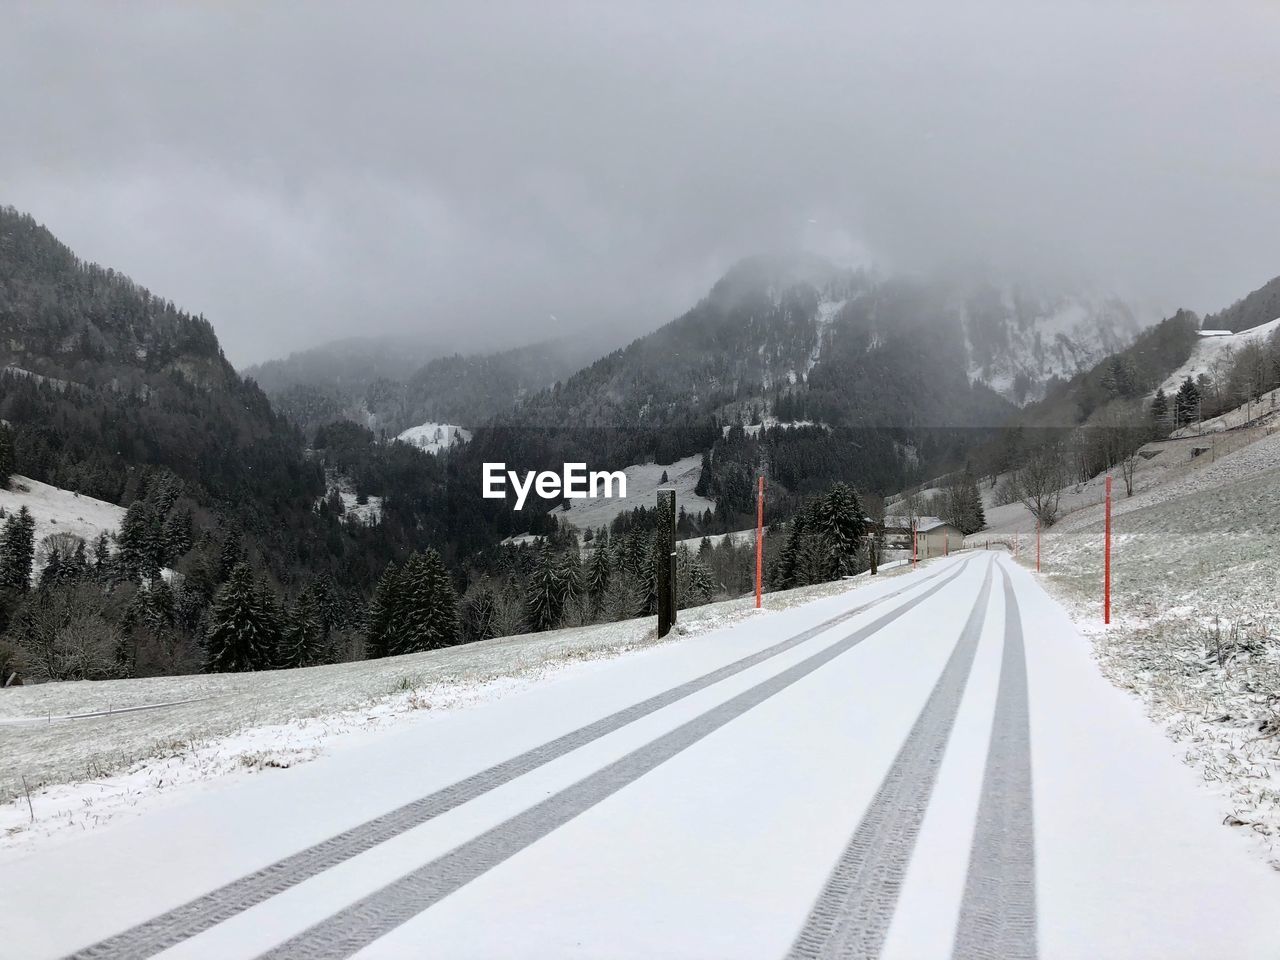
(382, 911)
(851, 916)
(195, 916)
(998, 911)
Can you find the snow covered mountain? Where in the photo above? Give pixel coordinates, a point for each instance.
(1018, 342)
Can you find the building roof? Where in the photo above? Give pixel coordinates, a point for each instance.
(923, 524)
(1215, 333)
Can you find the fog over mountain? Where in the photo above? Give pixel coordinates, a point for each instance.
(493, 174)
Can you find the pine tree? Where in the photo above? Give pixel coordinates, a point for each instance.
(569, 573)
(135, 542)
(176, 536)
(842, 525)
(428, 605)
(598, 573)
(6, 456)
(384, 615)
(243, 631)
(52, 572)
(1186, 403)
(303, 637)
(542, 598)
(17, 551)
(1159, 408)
(102, 557)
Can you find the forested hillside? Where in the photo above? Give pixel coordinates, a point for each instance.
(390, 384)
(109, 391)
(1261, 306)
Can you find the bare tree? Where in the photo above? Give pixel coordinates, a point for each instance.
(64, 635)
(1040, 480)
(63, 543)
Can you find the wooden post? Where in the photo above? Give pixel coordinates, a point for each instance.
(871, 551)
(759, 539)
(1037, 546)
(665, 560)
(946, 543)
(1106, 561)
(914, 544)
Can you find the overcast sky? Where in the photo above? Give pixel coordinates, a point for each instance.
(495, 173)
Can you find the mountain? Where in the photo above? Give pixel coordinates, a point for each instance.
(1018, 341)
(394, 384)
(110, 392)
(102, 378)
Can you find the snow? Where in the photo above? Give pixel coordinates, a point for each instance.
(643, 482)
(1264, 410)
(740, 538)
(1196, 555)
(434, 437)
(151, 736)
(1210, 350)
(60, 511)
(353, 511)
(768, 423)
(721, 849)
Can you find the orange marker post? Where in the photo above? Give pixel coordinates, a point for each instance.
(759, 538)
(1106, 561)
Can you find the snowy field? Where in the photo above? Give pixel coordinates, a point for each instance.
(433, 437)
(1196, 617)
(88, 771)
(643, 481)
(60, 511)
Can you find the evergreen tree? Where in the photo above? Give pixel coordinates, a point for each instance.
(303, 637)
(176, 536)
(842, 525)
(102, 557)
(6, 456)
(384, 621)
(542, 598)
(569, 573)
(428, 605)
(1186, 404)
(1159, 408)
(17, 551)
(52, 573)
(135, 542)
(598, 575)
(243, 631)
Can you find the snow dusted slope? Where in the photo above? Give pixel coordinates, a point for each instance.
(901, 771)
(60, 511)
(643, 481)
(1209, 351)
(434, 437)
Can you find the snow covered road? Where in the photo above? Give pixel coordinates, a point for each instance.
(929, 766)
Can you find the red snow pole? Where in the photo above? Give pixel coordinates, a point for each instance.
(759, 537)
(1106, 562)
